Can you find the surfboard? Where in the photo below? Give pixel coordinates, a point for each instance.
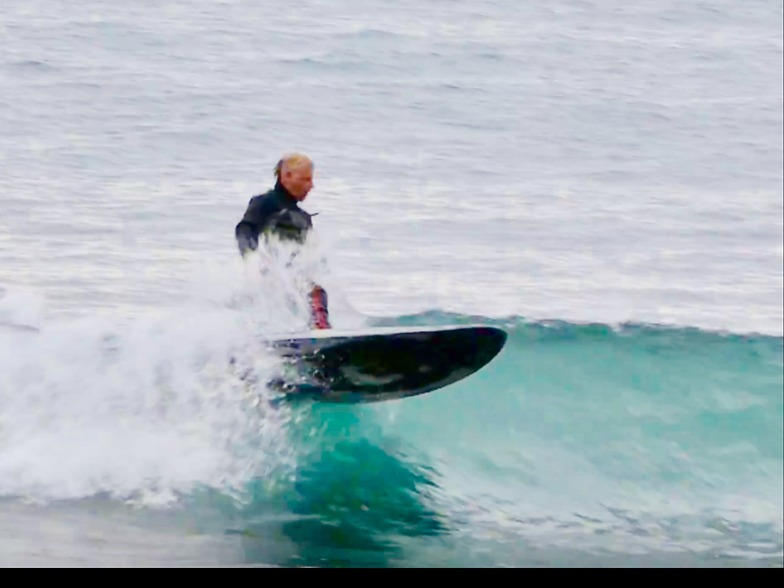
(383, 363)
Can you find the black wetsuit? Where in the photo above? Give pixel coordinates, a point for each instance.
(277, 212)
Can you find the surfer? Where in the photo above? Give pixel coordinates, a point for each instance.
(277, 212)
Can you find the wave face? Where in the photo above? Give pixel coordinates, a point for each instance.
(581, 444)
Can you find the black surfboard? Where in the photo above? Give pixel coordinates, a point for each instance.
(384, 363)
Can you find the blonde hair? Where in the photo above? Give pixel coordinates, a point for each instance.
(291, 161)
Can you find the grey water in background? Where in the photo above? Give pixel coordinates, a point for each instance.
(573, 160)
(587, 162)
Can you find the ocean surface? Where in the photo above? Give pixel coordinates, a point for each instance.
(603, 180)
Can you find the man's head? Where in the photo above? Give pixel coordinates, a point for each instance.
(295, 173)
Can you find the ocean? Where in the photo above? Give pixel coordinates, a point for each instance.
(603, 180)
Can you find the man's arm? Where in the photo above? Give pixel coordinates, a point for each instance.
(247, 230)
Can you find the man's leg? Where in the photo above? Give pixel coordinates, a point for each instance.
(319, 311)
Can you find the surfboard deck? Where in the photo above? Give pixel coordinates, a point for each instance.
(384, 363)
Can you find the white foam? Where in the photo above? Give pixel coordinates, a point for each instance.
(21, 307)
(142, 408)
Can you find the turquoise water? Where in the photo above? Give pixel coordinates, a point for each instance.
(602, 179)
(582, 444)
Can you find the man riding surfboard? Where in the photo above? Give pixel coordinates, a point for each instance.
(277, 212)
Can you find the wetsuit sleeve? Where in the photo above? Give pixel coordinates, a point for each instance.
(247, 230)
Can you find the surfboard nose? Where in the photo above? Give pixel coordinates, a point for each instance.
(494, 339)
(477, 345)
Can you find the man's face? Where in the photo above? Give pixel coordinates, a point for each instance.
(299, 180)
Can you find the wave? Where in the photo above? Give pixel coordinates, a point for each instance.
(623, 440)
